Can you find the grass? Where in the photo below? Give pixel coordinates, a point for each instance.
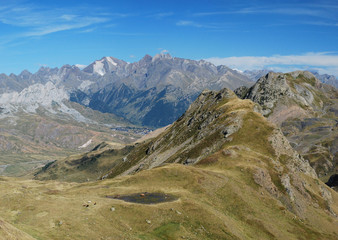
(166, 232)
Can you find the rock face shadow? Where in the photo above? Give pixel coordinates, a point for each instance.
(146, 198)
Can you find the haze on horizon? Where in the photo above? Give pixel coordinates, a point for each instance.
(277, 35)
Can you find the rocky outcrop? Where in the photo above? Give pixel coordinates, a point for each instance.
(303, 108)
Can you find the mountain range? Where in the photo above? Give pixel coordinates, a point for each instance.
(152, 92)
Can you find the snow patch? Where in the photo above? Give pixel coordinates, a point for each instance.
(86, 144)
(98, 68)
(86, 101)
(81, 66)
(109, 59)
(237, 70)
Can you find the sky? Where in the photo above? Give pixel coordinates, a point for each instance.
(249, 34)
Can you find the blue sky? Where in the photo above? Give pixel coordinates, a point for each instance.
(251, 34)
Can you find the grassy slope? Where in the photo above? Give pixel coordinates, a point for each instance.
(212, 205)
(84, 167)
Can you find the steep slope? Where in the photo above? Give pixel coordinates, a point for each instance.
(306, 110)
(240, 179)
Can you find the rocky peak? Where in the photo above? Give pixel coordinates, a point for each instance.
(104, 65)
(162, 56)
(222, 69)
(294, 94)
(25, 74)
(146, 59)
(268, 90)
(43, 70)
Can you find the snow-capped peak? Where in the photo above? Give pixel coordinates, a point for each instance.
(104, 65)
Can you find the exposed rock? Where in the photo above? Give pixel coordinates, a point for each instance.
(262, 178)
(285, 180)
(333, 181)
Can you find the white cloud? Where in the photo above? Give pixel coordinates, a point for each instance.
(164, 51)
(323, 62)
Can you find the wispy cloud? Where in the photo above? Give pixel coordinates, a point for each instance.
(161, 15)
(32, 21)
(284, 11)
(88, 30)
(321, 11)
(321, 23)
(184, 23)
(83, 22)
(325, 62)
